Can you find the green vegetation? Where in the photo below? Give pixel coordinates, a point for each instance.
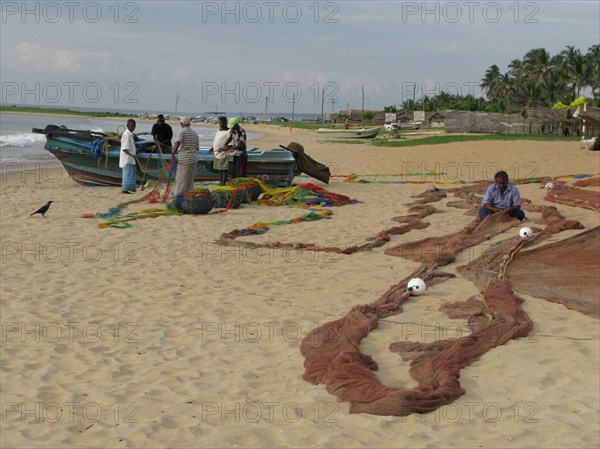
(537, 80)
(541, 80)
(35, 110)
(437, 140)
(299, 125)
(452, 138)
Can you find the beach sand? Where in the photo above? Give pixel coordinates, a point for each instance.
(154, 336)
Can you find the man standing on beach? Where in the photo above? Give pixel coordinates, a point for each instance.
(187, 143)
(127, 159)
(221, 163)
(502, 197)
(237, 143)
(162, 133)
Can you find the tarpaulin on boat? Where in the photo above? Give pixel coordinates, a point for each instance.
(307, 164)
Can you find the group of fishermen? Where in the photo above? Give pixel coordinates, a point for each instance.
(229, 139)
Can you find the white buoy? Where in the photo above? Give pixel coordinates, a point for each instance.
(416, 286)
(549, 185)
(526, 233)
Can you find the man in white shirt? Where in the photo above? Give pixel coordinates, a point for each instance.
(221, 163)
(127, 159)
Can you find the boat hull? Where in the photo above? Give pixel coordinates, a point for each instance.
(276, 167)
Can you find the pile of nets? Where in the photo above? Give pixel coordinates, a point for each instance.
(253, 187)
(197, 201)
(303, 195)
(231, 196)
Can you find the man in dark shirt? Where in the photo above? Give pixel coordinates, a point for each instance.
(237, 143)
(162, 133)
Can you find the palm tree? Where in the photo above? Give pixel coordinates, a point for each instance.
(554, 87)
(516, 71)
(537, 62)
(490, 83)
(576, 69)
(593, 76)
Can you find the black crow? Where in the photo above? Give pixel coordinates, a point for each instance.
(42, 210)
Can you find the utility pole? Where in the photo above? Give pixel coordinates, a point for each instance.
(266, 109)
(293, 106)
(332, 101)
(323, 105)
(176, 102)
(363, 103)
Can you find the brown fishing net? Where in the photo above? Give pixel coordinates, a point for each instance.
(567, 272)
(333, 357)
(443, 250)
(332, 352)
(590, 182)
(495, 258)
(380, 239)
(573, 196)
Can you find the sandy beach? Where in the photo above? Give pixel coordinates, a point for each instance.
(155, 336)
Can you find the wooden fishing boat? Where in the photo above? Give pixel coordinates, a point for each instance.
(362, 133)
(92, 158)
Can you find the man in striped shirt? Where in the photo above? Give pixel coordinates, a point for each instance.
(187, 143)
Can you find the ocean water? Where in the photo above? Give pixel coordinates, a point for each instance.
(21, 148)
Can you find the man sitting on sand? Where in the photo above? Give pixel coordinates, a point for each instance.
(502, 197)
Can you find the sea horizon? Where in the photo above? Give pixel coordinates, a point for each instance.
(258, 115)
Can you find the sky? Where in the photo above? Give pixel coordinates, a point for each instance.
(248, 56)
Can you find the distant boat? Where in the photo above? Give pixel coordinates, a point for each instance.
(400, 126)
(92, 158)
(363, 133)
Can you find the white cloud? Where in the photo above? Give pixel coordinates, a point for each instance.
(34, 57)
(181, 76)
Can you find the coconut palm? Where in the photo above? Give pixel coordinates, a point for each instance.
(593, 76)
(554, 87)
(490, 84)
(537, 63)
(576, 69)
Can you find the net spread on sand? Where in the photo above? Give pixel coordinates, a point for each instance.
(332, 353)
(333, 357)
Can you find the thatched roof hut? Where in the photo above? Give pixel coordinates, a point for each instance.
(435, 118)
(483, 122)
(592, 116)
(548, 121)
(547, 115)
(430, 117)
